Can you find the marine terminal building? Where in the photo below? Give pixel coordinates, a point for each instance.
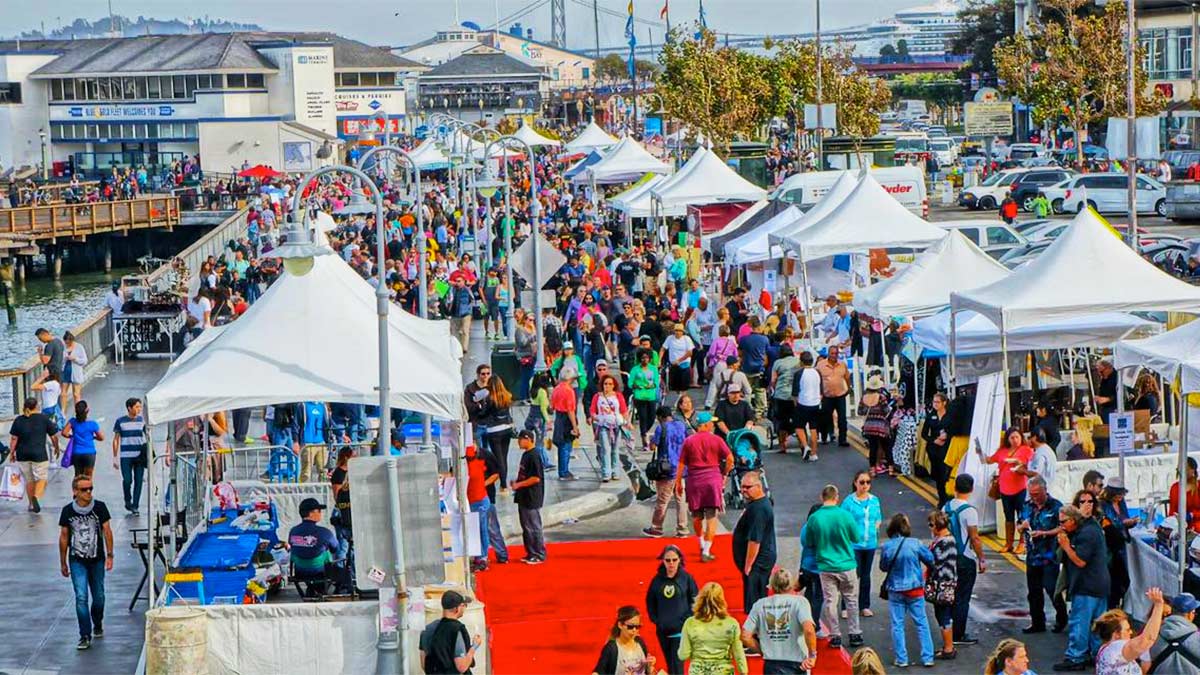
(232, 98)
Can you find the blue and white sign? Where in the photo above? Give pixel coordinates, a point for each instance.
(374, 105)
(121, 111)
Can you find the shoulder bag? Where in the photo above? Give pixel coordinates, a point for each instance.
(883, 587)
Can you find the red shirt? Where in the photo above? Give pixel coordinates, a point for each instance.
(1193, 505)
(476, 490)
(1012, 483)
(703, 449)
(562, 398)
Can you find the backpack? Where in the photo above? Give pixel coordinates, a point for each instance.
(955, 529)
(1174, 647)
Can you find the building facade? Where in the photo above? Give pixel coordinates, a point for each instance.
(285, 100)
(562, 68)
(483, 84)
(1168, 32)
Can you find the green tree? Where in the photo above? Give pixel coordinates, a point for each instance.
(612, 68)
(1072, 65)
(985, 24)
(902, 49)
(887, 52)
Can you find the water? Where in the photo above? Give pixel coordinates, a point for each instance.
(53, 305)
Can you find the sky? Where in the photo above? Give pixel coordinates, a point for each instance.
(400, 22)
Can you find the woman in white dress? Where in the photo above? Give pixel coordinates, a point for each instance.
(75, 363)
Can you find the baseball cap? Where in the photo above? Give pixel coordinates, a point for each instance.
(1183, 603)
(601, 362)
(704, 417)
(568, 346)
(308, 505)
(454, 600)
(734, 389)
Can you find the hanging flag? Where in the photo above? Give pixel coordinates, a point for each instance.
(632, 37)
(665, 14)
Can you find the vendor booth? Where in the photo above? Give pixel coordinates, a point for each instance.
(760, 243)
(428, 156)
(312, 336)
(705, 179)
(624, 162)
(533, 139)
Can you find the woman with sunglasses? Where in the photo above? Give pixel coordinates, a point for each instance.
(669, 601)
(865, 508)
(625, 653)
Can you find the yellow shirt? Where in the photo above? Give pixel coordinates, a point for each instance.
(713, 647)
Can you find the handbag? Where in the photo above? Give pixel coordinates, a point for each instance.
(993, 492)
(13, 484)
(883, 587)
(939, 591)
(68, 453)
(659, 467)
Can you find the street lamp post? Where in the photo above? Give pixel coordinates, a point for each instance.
(422, 265)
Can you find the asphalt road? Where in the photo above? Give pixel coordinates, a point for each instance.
(1152, 223)
(998, 609)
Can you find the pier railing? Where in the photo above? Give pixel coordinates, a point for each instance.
(96, 332)
(78, 220)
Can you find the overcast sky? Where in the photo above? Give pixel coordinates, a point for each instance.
(397, 22)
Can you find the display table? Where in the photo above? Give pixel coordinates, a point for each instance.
(221, 521)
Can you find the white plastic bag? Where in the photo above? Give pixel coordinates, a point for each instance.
(13, 488)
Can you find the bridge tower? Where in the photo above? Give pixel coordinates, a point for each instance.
(558, 23)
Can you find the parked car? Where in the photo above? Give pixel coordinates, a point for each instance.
(1109, 193)
(1180, 160)
(988, 194)
(1027, 185)
(994, 238)
(1021, 151)
(943, 149)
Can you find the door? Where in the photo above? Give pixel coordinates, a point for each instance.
(1147, 195)
(1112, 194)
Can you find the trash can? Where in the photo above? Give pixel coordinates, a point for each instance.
(505, 365)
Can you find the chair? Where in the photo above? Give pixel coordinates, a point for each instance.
(283, 466)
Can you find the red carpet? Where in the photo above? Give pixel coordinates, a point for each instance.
(553, 618)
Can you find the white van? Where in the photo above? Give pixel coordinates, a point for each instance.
(905, 183)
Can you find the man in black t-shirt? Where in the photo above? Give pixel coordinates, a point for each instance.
(28, 437)
(628, 270)
(754, 540)
(733, 412)
(85, 553)
(446, 646)
(530, 493)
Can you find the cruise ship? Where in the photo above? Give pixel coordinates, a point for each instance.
(927, 30)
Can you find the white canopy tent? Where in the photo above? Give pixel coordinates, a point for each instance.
(591, 138)
(1175, 355)
(762, 242)
(313, 338)
(923, 288)
(867, 218)
(976, 334)
(706, 179)
(533, 139)
(428, 156)
(626, 161)
(1087, 269)
(733, 226)
(636, 203)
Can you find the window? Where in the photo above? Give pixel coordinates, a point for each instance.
(587, 73)
(236, 81)
(179, 82)
(971, 233)
(140, 84)
(1000, 236)
(349, 79)
(255, 80)
(203, 81)
(152, 89)
(1168, 53)
(129, 86)
(1143, 184)
(368, 79)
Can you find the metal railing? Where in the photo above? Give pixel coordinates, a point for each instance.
(96, 333)
(76, 220)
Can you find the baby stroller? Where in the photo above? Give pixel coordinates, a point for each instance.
(747, 446)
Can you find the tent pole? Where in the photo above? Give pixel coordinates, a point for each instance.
(1182, 506)
(1120, 410)
(1071, 374)
(808, 316)
(953, 349)
(151, 517)
(1004, 371)
(173, 490)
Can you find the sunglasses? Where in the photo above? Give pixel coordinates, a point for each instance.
(85, 489)
(1086, 501)
(670, 560)
(633, 626)
(865, 481)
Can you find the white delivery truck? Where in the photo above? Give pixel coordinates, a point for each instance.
(905, 183)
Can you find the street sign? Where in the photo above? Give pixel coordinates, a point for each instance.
(828, 116)
(988, 119)
(550, 260)
(1120, 433)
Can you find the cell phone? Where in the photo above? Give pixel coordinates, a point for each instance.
(978, 448)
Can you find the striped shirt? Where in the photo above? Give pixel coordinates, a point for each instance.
(132, 432)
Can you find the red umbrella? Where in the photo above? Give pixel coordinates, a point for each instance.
(260, 172)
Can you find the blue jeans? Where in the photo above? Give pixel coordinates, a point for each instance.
(606, 449)
(482, 507)
(814, 594)
(495, 536)
(523, 381)
(88, 575)
(1081, 641)
(344, 537)
(133, 473)
(899, 606)
(564, 458)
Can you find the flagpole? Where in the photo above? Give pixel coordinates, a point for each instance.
(666, 14)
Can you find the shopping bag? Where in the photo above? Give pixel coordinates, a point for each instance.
(13, 488)
(68, 453)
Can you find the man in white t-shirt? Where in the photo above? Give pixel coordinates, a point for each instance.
(1044, 461)
(677, 352)
(781, 627)
(199, 308)
(964, 525)
(808, 406)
